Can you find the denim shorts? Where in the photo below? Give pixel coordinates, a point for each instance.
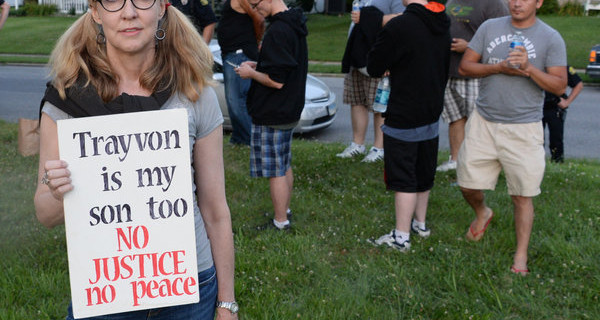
(203, 310)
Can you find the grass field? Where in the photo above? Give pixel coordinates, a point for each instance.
(325, 269)
(326, 39)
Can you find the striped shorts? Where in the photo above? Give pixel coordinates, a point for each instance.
(359, 89)
(270, 151)
(459, 98)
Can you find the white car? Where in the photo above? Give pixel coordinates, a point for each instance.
(319, 102)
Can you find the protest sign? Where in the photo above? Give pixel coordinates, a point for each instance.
(129, 219)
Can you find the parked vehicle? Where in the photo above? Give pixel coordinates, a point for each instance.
(593, 68)
(319, 103)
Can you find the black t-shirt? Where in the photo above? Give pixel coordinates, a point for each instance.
(236, 31)
(199, 11)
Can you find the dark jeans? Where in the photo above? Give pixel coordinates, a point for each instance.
(236, 91)
(555, 119)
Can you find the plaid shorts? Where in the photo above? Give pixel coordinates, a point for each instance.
(270, 151)
(459, 98)
(359, 89)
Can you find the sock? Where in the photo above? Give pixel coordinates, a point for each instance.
(281, 225)
(402, 237)
(418, 225)
(288, 212)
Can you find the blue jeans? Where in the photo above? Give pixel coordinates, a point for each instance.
(203, 310)
(236, 91)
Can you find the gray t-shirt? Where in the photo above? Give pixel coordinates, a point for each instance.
(466, 16)
(386, 6)
(204, 116)
(515, 99)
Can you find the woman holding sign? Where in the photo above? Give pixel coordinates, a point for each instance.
(140, 55)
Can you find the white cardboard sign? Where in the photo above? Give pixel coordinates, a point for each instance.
(130, 218)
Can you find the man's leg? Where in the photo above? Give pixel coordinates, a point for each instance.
(281, 193)
(405, 204)
(378, 134)
(456, 135)
(476, 199)
(555, 121)
(360, 121)
(421, 207)
(523, 207)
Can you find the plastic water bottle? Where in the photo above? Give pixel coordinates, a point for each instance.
(517, 40)
(356, 5)
(382, 96)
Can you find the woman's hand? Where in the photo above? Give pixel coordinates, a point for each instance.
(57, 178)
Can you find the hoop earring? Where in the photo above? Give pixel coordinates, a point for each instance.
(160, 34)
(100, 38)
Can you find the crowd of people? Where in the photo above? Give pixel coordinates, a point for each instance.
(452, 61)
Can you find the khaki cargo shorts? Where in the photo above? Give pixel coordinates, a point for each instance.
(516, 148)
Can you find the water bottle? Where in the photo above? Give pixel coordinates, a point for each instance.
(355, 5)
(382, 96)
(517, 40)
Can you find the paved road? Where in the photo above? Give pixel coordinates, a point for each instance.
(22, 87)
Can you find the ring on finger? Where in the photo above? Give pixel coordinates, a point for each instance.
(45, 179)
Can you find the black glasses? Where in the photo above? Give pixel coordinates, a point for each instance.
(254, 5)
(116, 5)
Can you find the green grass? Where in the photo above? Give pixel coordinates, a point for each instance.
(326, 39)
(324, 268)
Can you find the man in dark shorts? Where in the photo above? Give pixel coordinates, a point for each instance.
(415, 49)
(276, 99)
(201, 14)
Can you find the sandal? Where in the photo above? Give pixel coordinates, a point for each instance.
(522, 272)
(473, 235)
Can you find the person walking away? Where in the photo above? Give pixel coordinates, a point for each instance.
(239, 32)
(555, 115)
(276, 99)
(505, 130)
(415, 48)
(461, 92)
(359, 86)
(99, 70)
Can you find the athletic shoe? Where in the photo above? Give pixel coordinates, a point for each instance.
(271, 225)
(423, 233)
(374, 155)
(446, 166)
(391, 241)
(352, 150)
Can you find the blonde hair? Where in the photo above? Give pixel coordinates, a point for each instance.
(182, 60)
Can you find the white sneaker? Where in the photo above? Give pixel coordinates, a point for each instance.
(446, 166)
(374, 155)
(352, 150)
(423, 233)
(391, 241)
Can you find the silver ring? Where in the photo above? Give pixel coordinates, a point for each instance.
(45, 179)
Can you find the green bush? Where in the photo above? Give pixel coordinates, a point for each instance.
(549, 7)
(571, 9)
(34, 9)
(17, 12)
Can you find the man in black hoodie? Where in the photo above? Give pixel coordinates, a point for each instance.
(415, 49)
(276, 99)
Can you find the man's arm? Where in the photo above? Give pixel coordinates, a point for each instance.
(5, 9)
(247, 70)
(553, 80)
(208, 31)
(564, 103)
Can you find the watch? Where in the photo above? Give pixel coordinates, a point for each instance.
(229, 305)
